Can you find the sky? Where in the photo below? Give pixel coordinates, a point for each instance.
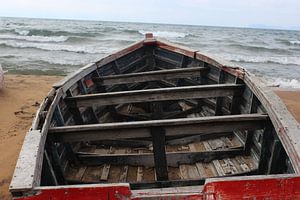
(284, 14)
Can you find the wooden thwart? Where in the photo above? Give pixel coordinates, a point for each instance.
(161, 94)
(150, 76)
(174, 159)
(173, 127)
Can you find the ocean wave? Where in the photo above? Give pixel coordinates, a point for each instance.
(21, 32)
(292, 60)
(35, 38)
(130, 31)
(284, 83)
(165, 34)
(54, 47)
(258, 48)
(289, 42)
(295, 42)
(45, 32)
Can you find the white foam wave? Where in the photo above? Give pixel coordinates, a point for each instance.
(284, 60)
(22, 32)
(165, 34)
(55, 47)
(295, 42)
(285, 83)
(35, 38)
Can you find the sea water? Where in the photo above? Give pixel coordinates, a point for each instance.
(44, 46)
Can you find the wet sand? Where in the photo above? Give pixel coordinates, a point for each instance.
(19, 101)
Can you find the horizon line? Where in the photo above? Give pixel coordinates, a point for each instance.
(164, 23)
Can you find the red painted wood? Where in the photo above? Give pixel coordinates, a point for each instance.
(176, 48)
(89, 83)
(274, 188)
(256, 188)
(81, 193)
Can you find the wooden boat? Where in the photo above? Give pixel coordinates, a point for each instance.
(157, 120)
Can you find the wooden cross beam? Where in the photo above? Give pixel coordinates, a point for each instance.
(172, 127)
(161, 94)
(174, 159)
(150, 76)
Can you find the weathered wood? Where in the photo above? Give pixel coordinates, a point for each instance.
(71, 79)
(180, 183)
(264, 151)
(140, 129)
(161, 94)
(275, 163)
(90, 110)
(122, 143)
(159, 151)
(49, 168)
(249, 134)
(285, 125)
(139, 171)
(150, 76)
(235, 103)
(56, 164)
(106, 167)
(29, 165)
(174, 159)
(124, 170)
(195, 138)
(219, 100)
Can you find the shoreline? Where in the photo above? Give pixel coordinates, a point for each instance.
(20, 99)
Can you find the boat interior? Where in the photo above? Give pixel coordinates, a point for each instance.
(154, 117)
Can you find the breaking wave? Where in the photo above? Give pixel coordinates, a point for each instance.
(44, 32)
(289, 42)
(295, 42)
(35, 38)
(258, 48)
(284, 83)
(54, 47)
(165, 34)
(292, 60)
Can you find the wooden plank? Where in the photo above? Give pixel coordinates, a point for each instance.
(106, 167)
(80, 173)
(56, 163)
(285, 125)
(124, 170)
(276, 153)
(195, 138)
(235, 103)
(50, 168)
(265, 148)
(249, 134)
(31, 156)
(219, 100)
(179, 183)
(140, 129)
(150, 76)
(228, 167)
(199, 165)
(215, 163)
(122, 143)
(147, 159)
(160, 160)
(139, 173)
(161, 94)
(72, 78)
(189, 172)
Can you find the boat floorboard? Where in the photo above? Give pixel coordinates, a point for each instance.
(124, 173)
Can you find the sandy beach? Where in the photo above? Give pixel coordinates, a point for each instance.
(19, 101)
